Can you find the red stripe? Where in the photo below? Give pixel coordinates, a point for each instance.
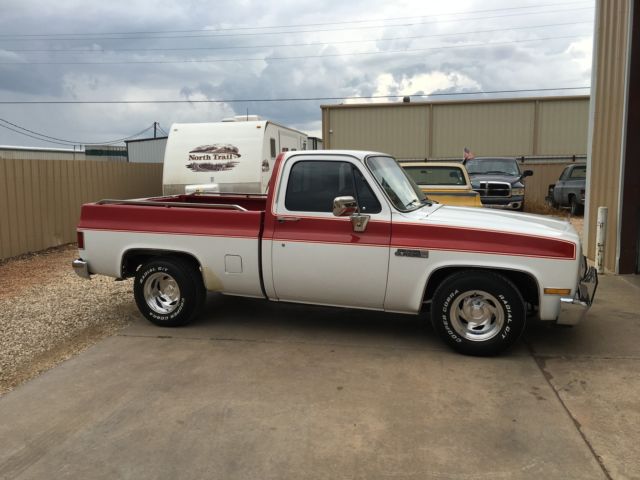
(330, 230)
(439, 237)
(190, 221)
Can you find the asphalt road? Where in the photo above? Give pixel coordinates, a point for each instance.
(269, 391)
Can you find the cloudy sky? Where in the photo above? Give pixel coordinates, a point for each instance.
(194, 50)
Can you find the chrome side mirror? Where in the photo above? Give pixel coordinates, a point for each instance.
(347, 206)
(344, 206)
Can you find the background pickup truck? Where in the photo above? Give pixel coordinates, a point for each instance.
(346, 229)
(444, 182)
(569, 190)
(499, 181)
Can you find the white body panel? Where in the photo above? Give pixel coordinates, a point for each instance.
(408, 276)
(105, 250)
(247, 171)
(328, 273)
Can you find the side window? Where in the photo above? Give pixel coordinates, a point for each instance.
(273, 148)
(579, 172)
(314, 184)
(366, 198)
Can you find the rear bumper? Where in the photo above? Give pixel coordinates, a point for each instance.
(81, 268)
(573, 309)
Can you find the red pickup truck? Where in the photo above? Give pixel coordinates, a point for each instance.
(346, 229)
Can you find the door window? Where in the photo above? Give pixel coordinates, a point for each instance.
(313, 185)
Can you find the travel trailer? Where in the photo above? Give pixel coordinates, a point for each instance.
(235, 155)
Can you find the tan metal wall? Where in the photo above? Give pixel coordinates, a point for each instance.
(486, 128)
(563, 126)
(514, 127)
(40, 199)
(401, 131)
(544, 174)
(609, 73)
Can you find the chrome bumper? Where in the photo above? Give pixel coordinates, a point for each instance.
(81, 268)
(574, 309)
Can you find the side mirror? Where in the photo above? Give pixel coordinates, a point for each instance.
(527, 173)
(347, 206)
(344, 206)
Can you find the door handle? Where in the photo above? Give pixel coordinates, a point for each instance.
(287, 219)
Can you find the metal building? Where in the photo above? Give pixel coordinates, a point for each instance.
(530, 127)
(146, 150)
(35, 153)
(106, 153)
(614, 141)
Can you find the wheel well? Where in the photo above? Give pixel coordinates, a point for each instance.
(526, 283)
(133, 259)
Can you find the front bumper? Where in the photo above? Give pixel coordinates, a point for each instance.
(573, 309)
(514, 202)
(81, 268)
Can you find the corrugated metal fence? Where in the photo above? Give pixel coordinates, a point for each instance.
(545, 172)
(40, 199)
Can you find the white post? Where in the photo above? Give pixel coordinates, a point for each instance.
(601, 234)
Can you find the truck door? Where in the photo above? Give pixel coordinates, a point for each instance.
(316, 256)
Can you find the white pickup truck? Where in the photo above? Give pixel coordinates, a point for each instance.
(345, 229)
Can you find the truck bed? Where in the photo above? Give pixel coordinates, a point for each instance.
(251, 201)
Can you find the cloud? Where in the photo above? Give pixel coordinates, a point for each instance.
(417, 54)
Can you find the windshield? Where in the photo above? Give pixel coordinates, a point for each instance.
(438, 175)
(398, 186)
(507, 166)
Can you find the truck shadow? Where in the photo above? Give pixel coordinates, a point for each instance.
(256, 319)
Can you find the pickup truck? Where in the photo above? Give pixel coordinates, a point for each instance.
(569, 190)
(444, 182)
(499, 181)
(345, 229)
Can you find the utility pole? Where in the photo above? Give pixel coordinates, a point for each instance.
(155, 128)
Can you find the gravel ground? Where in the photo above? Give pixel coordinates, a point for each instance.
(48, 313)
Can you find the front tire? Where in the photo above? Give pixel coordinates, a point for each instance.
(169, 292)
(478, 312)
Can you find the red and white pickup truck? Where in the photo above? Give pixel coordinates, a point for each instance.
(345, 229)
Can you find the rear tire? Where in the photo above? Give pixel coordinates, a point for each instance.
(576, 208)
(169, 292)
(478, 312)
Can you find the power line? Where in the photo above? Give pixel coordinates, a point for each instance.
(91, 35)
(404, 25)
(292, 99)
(342, 42)
(61, 141)
(298, 57)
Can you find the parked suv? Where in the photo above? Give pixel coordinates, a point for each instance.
(568, 191)
(499, 181)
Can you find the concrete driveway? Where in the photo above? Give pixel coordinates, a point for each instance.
(268, 391)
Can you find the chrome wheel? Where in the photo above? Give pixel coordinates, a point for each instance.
(477, 315)
(161, 292)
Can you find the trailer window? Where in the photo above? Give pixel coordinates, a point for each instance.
(273, 148)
